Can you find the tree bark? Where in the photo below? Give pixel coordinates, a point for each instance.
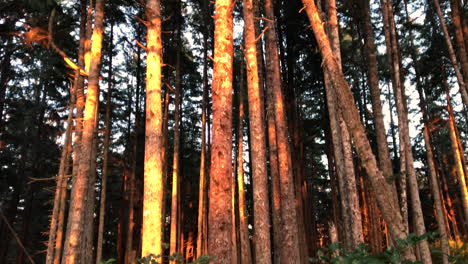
(220, 209)
(385, 162)
(202, 196)
(257, 135)
(289, 249)
(457, 154)
(246, 254)
(270, 43)
(174, 236)
(459, 38)
(347, 106)
(342, 145)
(406, 156)
(429, 154)
(108, 130)
(82, 181)
(153, 194)
(452, 55)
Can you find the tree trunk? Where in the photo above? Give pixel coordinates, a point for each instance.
(153, 194)
(342, 150)
(174, 236)
(351, 116)
(246, 254)
(220, 209)
(60, 189)
(373, 81)
(452, 56)
(459, 38)
(79, 101)
(289, 249)
(5, 75)
(202, 196)
(393, 58)
(257, 135)
(406, 156)
(457, 154)
(429, 154)
(270, 41)
(108, 130)
(82, 179)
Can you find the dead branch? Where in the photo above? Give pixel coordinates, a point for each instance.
(141, 45)
(264, 18)
(261, 34)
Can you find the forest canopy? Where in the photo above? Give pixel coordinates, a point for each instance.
(224, 131)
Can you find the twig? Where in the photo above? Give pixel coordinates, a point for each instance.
(261, 34)
(32, 179)
(16, 237)
(170, 87)
(264, 18)
(168, 65)
(142, 21)
(166, 19)
(141, 45)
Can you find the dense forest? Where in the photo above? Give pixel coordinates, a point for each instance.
(233, 132)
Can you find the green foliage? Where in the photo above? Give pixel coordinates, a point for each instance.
(176, 257)
(459, 254)
(109, 261)
(334, 254)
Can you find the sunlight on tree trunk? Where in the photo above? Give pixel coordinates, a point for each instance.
(153, 195)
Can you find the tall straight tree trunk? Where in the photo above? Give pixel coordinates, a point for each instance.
(153, 194)
(61, 182)
(235, 227)
(270, 41)
(452, 55)
(202, 195)
(78, 95)
(246, 254)
(436, 192)
(429, 154)
(220, 209)
(459, 38)
(174, 236)
(457, 154)
(105, 161)
(61, 214)
(405, 142)
(88, 239)
(165, 153)
(81, 184)
(347, 106)
(342, 145)
(450, 210)
(385, 162)
(383, 152)
(257, 136)
(128, 187)
(393, 58)
(289, 249)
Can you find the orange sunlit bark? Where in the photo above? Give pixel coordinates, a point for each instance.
(457, 155)
(81, 185)
(220, 208)
(89, 28)
(261, 206)
(153, 194)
